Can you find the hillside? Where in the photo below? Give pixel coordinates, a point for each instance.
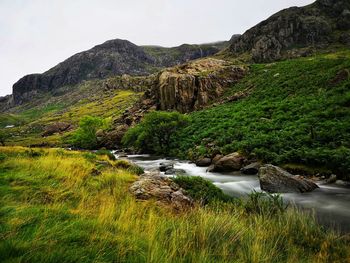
(295, 32)
(112, 58)
(293, 113)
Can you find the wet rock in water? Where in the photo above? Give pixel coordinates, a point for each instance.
(251, 169)
(332, 179)
(174, 171)
(203, 162)
(161, 188)
(163, 167)
(210, 169)
(229, 163)
(342, 183)
(274, 179)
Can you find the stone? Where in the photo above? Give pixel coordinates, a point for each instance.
(203, 162)
(57, 127)
(274, 179)
(163, 167)
(251, 169)
(174, 171)
(332, 179)
(229, 163)
(162, 189)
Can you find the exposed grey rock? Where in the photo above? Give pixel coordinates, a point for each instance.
(163, 189)
(229, 163)
(174, 171)
(203, 162)
(251, 169)
(274, 179)
(311, 26)
(114, 57)
(332, 179)
(163, 167)
(57, 127)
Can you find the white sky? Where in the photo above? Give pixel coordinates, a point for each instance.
(35, 35)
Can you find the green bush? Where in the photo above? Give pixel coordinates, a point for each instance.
(2, 157)
(156, 132)
(85, 136)
(201, 190)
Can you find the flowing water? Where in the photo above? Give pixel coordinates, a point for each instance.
(330, 203)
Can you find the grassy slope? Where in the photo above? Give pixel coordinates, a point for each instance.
(85, 99)
(53, 210)
(296, 113)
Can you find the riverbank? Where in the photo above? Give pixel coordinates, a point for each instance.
(69, 206)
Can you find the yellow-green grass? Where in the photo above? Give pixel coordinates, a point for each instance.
(52, 209)
(109, 105)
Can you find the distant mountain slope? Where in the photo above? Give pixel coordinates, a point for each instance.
(282, 35)
(114, 57)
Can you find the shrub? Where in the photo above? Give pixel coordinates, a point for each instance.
(85, 136)
(201, 190)
(156, 131)
(2, 157)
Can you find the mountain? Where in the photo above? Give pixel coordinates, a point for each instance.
(296, 31)
(114, 57)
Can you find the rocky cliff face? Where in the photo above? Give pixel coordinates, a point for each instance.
(189, 87)
(184, 88)
(283, 34)
(114, 57)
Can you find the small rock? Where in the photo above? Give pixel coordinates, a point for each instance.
(332, 179)
(95, 172)
(203, 162)
(163, 167)
(251, 169)
(342, 183)
(174, 171)
(229, 163)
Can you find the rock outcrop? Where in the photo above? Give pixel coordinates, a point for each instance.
(162, 189)
(114, 57)
(317, 25)
(57, 127)
(274, 179)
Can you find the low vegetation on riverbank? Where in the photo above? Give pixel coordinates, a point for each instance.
(67, 206)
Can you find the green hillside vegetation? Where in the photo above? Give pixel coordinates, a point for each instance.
(297, 113)
(63, 206)
(86, 99)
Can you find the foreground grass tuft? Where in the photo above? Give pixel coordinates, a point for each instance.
(53, 209)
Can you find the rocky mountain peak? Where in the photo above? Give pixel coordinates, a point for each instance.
(286, 32)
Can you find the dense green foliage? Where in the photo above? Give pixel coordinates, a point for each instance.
(3, 137)
(52, 209)
(297, 111)
(201, 190)
(85, 136)
(156, 131)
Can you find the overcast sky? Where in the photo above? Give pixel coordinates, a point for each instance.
(35, 35)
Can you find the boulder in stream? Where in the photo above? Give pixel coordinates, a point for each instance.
(251, 169)
(228, 163)
(203, 162)
(274, 179)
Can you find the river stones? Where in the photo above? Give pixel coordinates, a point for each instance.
(203, 162)
(251, 169)
(162, 189)
(163, 167)
(228, 163)
(274, 179)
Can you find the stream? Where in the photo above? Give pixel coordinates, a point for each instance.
(329, 203)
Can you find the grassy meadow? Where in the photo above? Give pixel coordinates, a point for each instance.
(54, 207)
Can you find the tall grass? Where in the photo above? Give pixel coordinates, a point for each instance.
(52, 209)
